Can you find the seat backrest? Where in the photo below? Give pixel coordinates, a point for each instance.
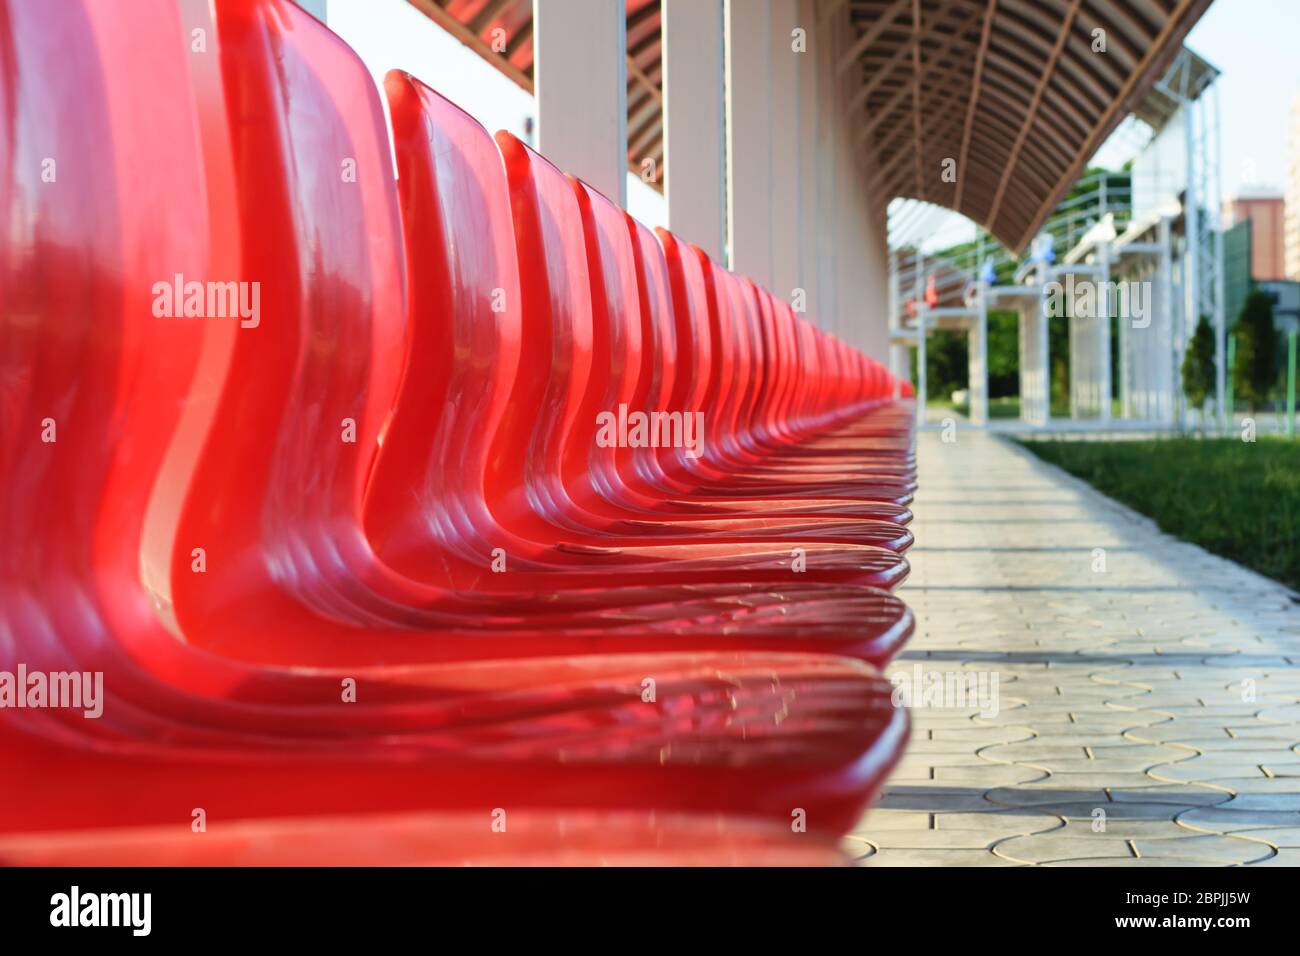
(660, 355)
(786, 359)
(690, 307)
(529, 450)
(825, 373)
(96, 144)
(759, 381)
(780, 345)
(727, 359)
(592, 460)
(464, 326)
(303, 396)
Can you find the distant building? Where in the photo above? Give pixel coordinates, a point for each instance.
(1265, 211)
(1236, 270)
(1286, 304)
(1292, 227)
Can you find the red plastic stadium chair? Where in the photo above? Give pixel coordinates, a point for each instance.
(522, 838)
(139, 437)
(278, 560)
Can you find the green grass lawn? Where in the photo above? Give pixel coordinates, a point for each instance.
(1008, 407)
(1240, 500)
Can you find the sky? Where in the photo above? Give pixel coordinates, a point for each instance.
(1255, 43)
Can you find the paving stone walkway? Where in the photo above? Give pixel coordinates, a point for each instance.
(1147, 713)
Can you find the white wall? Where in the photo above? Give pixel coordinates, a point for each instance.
(1160, 171)
(822, 217)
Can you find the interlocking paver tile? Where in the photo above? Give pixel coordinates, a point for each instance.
(1046, 847)
(1286, 857)
(989, 775)
(1136, 862)
(1021, 822)
(1281, 837)
(1223, 849)
(1222, 820)
(1174, 794)
(1114, 825)
(1165, 692)
(936, 858)
(880, 819)
(940, 839)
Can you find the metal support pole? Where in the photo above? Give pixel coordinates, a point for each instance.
(1220, 320)
(1230, 399)
(1192, 201)
(918, 296)
(1290, 384)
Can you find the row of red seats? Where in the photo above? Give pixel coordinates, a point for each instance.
(385, 479)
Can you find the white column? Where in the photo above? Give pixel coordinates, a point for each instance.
(1167, 311)
(1181, 331)
(1026, 352)
(1078, 360)
(1105, 386)
(898, 353)
(808, 74)
(824, 156)
(1126, 362)
(694, 123)
(918, 296)
(874, 336)
(1216, 210)
(1044, 358)
(1089, 344)
(1035, 370)
(749, 137)
(978, 362)
(580, 76)
(785, 156)
(840, 192)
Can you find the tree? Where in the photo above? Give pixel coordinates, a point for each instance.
(947, 360)
(1004, 353)
(1254, 372)
(1198, 365)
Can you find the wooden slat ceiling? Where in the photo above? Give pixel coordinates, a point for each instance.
(1011, 90)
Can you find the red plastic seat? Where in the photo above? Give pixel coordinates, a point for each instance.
(754, 735)
(670, 377)
(297, 565)
(631, 314)
(507, 482)
(529, 838)
(170, 437)
(601, 508)
(696, 283)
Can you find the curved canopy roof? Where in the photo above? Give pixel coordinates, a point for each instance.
(1019, 93)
